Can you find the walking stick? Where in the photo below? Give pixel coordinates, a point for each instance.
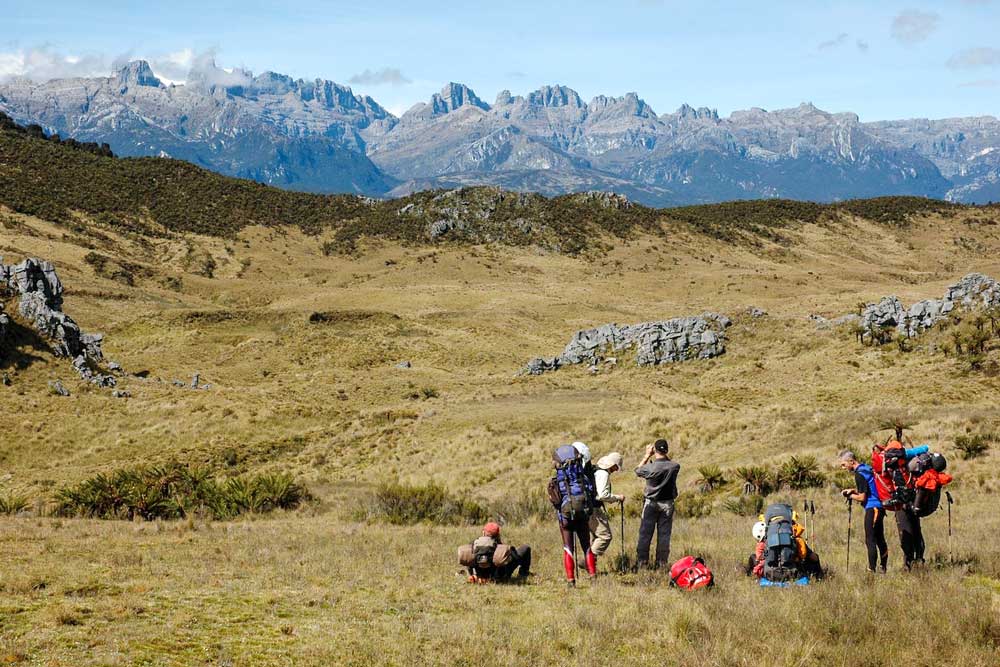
(850, 514)
(621, 561)
(951, 553)
(812, 520)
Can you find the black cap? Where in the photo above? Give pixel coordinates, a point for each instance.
(662, 446)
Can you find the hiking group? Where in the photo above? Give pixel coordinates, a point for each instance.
(904, 480)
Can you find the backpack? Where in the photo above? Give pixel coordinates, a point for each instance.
(780, 557)
(893, 479)
(571, 490)
(690, 574)
(482, 552)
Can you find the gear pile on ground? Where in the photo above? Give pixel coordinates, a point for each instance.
(972, 291)
(678, 339)
(39, 291)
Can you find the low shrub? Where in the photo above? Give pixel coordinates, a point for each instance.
(691, 506)
(11, 505)
(710, 478)
(800, 472)
(757, 480)
(744, 505)
(402, 504)
(175, 491)
(973, 446)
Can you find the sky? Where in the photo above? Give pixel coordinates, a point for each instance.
(879, 59)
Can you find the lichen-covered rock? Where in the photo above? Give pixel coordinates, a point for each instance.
(40, 298)
(973, 291)
(678, 339)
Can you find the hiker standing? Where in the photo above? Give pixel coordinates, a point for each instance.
(571, 492)
(866, 494)
(660, 474)
(911, 536)
(600, 524)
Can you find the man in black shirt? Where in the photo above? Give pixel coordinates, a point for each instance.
(660, 474)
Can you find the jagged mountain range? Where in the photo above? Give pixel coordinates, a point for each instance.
(320, 136)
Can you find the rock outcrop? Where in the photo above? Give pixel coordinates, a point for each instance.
(678, 339)
(973, 291)
(40, 298)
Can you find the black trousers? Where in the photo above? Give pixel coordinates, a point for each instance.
(521, 564)
(911, 537)
(878, 550)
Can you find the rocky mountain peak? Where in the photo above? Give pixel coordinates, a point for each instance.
(555, 96)
(701, 113)
(138, 73)
(456, 95)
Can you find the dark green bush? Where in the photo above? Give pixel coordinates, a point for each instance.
(10, 505)
(744, 505)
(973, 446)
(800, 472)
(403, 504)
(175, 491)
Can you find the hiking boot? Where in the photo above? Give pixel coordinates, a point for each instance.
(570, 584)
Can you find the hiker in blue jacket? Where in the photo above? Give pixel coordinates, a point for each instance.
(866, 494)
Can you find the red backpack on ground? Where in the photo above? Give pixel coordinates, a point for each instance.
(690, 573)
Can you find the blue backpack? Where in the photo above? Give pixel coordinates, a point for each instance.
(571, 489)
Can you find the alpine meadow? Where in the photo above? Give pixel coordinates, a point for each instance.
(288, 378)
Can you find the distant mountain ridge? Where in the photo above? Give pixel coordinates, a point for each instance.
(321, 136)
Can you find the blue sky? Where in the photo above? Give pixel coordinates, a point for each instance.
(879, 59)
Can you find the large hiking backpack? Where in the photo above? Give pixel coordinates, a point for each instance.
(929, 470)
(482, 552)
(690, 573)
(780, 561)
(893, 479)
(571, 490)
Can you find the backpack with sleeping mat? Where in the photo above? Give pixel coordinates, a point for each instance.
(780, 560)
(571, 490)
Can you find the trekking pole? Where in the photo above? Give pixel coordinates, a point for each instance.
(576, 566)
(621, 537)
(805, 515)
(850, 513)
(951, 553)
(812, 520)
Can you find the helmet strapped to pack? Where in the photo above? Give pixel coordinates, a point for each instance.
(909, 485)
(571, 490)
(780, 561)
(759, 531)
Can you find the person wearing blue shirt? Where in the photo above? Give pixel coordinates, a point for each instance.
(865, 493)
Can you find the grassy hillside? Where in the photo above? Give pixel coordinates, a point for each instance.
(57, 181)
(300, 343)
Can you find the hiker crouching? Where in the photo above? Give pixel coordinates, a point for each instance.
(488, 559)
(600, 524)
(660, 474)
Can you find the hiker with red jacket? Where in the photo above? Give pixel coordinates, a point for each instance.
(572, 494)
(660, 474)
(865, 493)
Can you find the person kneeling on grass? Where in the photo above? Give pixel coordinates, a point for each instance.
(488, 559)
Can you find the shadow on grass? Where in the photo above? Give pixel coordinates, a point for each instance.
(21, 347)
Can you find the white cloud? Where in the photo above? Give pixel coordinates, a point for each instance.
(43, 63)
(912, 26)
(982, 56)
(385, 76)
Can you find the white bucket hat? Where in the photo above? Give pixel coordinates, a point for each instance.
(609, 461)
(583, 449)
